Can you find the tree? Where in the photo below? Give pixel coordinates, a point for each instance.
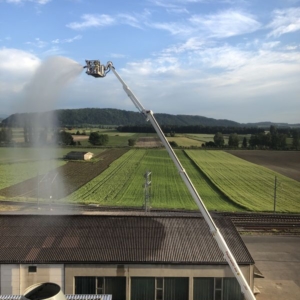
(210, 144)
(219, 139)
(64, 138)
(5, 135)
(173, 144)
(296, 138)
(245, 142)
(98, 139)
(172, 133)
(275, 140)
(233, 140)
(131, 142)
(282, 140)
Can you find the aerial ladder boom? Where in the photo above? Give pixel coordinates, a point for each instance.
(94, 68)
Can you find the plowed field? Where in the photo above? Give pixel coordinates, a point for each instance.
(64, 180)
(284, 162)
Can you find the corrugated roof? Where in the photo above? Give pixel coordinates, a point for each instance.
(116, 239)
(68, 297)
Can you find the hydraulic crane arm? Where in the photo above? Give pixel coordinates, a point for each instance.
(95, 69)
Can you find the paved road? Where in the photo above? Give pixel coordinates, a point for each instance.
(278, 259)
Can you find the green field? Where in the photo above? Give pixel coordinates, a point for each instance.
(247, 184)
(121, 184)
(223, 181)
(183, 141)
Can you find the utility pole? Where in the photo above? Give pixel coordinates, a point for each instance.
(147, 188)
(275, 190)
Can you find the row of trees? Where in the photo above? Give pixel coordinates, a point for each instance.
(263, 140)
(233, 141)
(168, 130)
(95, 138)
(275, 139)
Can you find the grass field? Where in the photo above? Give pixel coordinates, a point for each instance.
(121, 184)
(247, 184)
(224, 182)
(183, 141)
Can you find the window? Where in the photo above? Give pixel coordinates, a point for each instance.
(208, 288)
(159, 288)
(115, 286)
(32, 269)
(218, 288)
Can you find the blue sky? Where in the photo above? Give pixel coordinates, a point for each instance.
(224, 59)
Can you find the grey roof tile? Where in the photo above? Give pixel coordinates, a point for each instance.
(120, 239)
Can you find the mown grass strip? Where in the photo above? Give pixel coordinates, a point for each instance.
(212, 197)
(247, 184)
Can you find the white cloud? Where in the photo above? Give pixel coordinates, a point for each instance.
(90, 20)
(174, 28)
(37, 43)
(95, 20)
(70, 40)
(192, 44)
(225, 24)
(117, 55)
(129, 20)
(16, 68)
(14, 62)
(285, 21)
(54, 50)
(220, 25)
(270, 45)
(231, 78)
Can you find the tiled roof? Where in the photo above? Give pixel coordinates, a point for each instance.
(116, 239)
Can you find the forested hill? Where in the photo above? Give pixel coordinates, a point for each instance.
(108, 116)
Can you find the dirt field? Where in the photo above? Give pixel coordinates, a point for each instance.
(148, 142)
(284, 162)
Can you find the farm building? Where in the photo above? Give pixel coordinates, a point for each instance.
(77, 155)
(132, 256)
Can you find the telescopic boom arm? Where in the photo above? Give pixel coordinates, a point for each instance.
(94, 68)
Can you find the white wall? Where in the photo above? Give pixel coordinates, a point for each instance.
(15, 278)
(44, 273)
(10, 279)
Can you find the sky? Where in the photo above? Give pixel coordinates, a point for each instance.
(224, 59)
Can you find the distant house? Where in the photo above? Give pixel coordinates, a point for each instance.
(79, 155)
(130, 256)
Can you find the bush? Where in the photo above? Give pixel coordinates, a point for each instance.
(173, 144)
(131, 142)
